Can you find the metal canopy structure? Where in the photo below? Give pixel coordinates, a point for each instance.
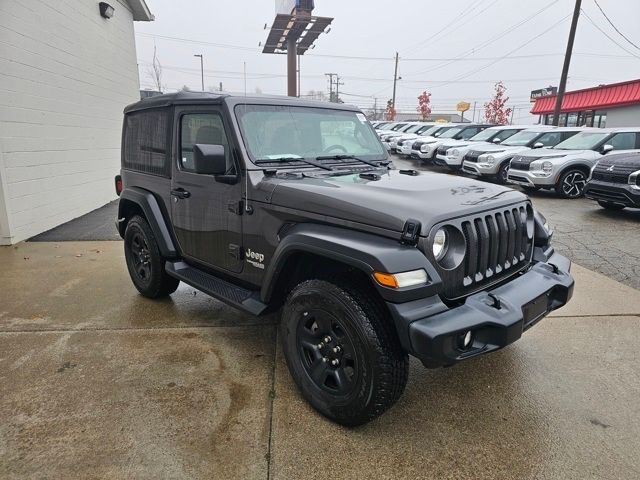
(294, 32)
(305, 29)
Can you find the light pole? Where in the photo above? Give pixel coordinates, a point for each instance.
(201, 69)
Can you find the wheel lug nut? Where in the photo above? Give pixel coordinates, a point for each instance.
(320, 346)
(336, 349)
(335, 362)
(327, 339)
(325, 359)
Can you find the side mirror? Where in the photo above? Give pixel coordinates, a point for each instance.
(607, 148)
(538, 145)
(497, 140)
(209, 159)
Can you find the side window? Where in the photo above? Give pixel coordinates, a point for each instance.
(504, 134)
(203, 129)
(470, 132)
(145, 142)
(550, 139)
(623, 141)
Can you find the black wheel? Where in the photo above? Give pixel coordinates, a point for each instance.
(145, 264)
(342, 351)
(503, 172)
(572, 183)
(610, 206)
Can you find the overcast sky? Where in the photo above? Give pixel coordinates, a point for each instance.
(455, 50)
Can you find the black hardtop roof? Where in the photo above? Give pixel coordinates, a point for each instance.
(203, 98)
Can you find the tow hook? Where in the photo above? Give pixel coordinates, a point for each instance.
(495, 301)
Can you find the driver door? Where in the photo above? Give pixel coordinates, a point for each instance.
(205, 212)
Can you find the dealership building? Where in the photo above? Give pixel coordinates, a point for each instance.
(614, 105)
(67, 70)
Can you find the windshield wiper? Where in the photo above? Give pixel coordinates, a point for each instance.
(349, 157)
(296, 159)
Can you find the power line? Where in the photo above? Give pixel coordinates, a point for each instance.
(368, 58)
(614, 27)
(499, 59)
(606, 34)
(456, 18)
(488, 42)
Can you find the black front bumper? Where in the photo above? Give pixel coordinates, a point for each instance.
(433, 332)
(619, 193)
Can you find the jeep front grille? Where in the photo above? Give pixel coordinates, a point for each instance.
(499, 244)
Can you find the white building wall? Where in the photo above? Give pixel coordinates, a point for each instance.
(65, 76)
(624, 116)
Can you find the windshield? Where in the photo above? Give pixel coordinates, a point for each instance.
(583, 141)
(273, 133)
(399, 126)
(521, 139)
(427, 130)
(484, 135)
(412, 129)
(452, 132)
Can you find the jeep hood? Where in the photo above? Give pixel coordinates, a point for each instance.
(388, 202)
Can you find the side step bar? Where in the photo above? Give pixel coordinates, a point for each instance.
(247, 300)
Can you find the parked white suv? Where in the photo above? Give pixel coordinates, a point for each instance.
(493, 160)
(451, 154)
(425, 149)
(405, 143)
(567, 166)
(413, 132)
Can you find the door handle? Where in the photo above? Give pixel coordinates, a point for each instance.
(180, 193)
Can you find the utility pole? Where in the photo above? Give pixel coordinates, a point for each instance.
(475, 104)
(338, 83)
(567, 62)
(220, 86)
(375, 108)
(201, 69)
(292, 66)
(395, 81)
(331, 75)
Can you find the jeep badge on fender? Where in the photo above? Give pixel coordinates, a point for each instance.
(277, 204)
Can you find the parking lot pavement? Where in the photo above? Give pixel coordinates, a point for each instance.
(99, 382)
(604, 241)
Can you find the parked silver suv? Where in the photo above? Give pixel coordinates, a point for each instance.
(493, 160)
(566, 167)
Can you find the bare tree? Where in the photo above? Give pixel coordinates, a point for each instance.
(155, 72)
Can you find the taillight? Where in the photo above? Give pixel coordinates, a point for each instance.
(118, 185)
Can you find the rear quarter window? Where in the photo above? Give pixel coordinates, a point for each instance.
(145, 146)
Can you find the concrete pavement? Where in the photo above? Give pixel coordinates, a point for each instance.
(98, 382)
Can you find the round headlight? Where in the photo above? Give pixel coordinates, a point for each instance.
(440, 244)
(547, 167)
(491, 160)
(454, 152)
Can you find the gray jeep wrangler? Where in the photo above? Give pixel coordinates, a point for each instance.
(276, 204)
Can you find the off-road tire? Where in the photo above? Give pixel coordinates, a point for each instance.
(381, 365)
(139, 242)
(610, 206)
(573, 176)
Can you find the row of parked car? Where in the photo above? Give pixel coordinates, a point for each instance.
(601, 163)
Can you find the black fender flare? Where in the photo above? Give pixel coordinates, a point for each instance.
(366, 252)
(153, 213)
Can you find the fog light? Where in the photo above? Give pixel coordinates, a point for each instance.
(464, 341)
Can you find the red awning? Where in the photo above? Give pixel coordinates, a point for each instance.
(606, 96)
